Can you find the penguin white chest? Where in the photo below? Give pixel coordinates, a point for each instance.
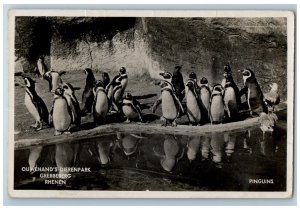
(129, 111)
(229, 96)
(205, 97)
(101, 106)
(61, 116)
(217, 109)
(193, 109)
(31, 108)
(169, 108)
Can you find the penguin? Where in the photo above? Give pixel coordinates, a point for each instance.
(217, 148)
(255, 98)
(171, 105)
(167, 77)
(193, 76)
(87, 94)
(192, 102)
(131, 108)
(66, 156)
(116, 88)
(128, 143)
(41, 66)
(54, 79)
(193, 146)
(172, 153)
(105, 79)
(217, 106)
(61, 113)
(272, 98)
(103, 150)
(35, 105)
(228, 77)
(230, 100)
(100, 105)
(69, 94)
(204, 93)
(178, 83)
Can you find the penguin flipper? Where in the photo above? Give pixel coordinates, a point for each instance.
(156, 104)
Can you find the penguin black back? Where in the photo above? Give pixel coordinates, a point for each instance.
(88, 95)
(36, 100)
(178, 83)
(105, 79)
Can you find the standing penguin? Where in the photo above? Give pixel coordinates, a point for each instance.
(88, 95)
(217, 106)
(171, 105)
(255, 96)
(178, 83)
(105, 79)
(54, 79)
(192, 102)
(131, 108)
(100, 106)
(61, 113)
(228, 78)
(35, 105)
(204, 93)
(69, 93)
(116, 88)
(41, 66)
(230, 100)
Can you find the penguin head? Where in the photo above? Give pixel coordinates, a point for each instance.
(166, 75)
(218, 89)
(203, 81)
(30, 83)
(98, 84)
(193, 75)
(177, 70)
(105, 78)
(59, 91)
(128, 96)
(247, 74)
(88, 71)
(122, 70)
(68, 88)
(190, 84)
(41, 57)
(227, 69)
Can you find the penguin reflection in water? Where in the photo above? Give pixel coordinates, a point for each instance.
(217, 106)
(172, 153)
(61, 113)
(131, 108)
(255, 98)
(35, 105)
(171, 106)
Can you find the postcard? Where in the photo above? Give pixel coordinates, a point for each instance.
(151, 103)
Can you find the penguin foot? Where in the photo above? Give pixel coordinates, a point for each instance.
(164, 123)
(39, 127)
(127, 121)
(57, 133)
(174, 124)
(35, 125)
(67, 132)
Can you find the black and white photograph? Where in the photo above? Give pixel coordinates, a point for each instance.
(164, 104)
